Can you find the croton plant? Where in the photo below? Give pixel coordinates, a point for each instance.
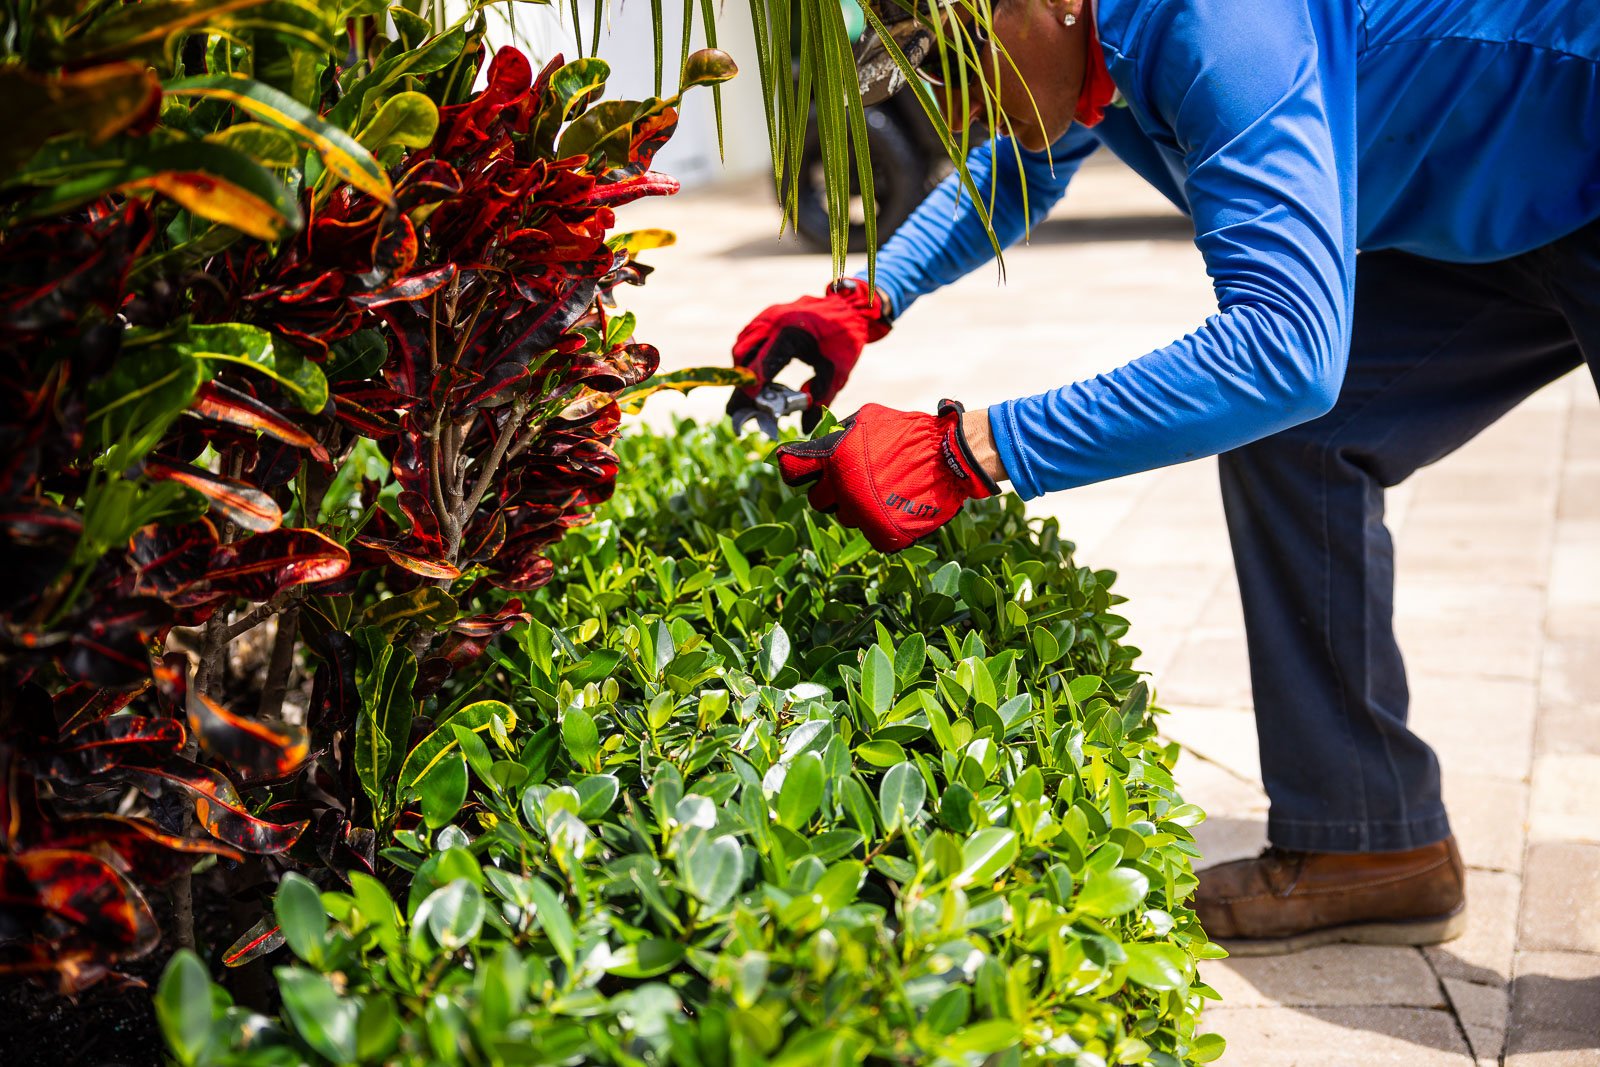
(309, 357)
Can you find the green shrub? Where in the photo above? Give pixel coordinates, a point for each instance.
(748, 792)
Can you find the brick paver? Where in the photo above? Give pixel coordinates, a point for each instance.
(1498, 604)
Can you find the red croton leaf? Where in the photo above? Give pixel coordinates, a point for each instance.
(465, 126)
(73, 894)
(484, 536)
(225, 404)
(469, 638)
(169, 558)
(246, 506)
(369, 409)
(522, 570)
(119, 741)
(111, 743)
(54, 273)
(427, 182)
(650, 183)
(254, 751)
(486, 390)
(81, 703)
(219, 808)
(136, 846)
(74, 969)
(261, 567)
(32, 523)
(650, 132)
(341, 846)
(412, 287)
(334, 697)
(419, 565)
(112, 645)
(264, 937)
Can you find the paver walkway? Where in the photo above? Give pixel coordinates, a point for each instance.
(1498, 607)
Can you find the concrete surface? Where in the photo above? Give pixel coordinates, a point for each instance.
(1498, 605)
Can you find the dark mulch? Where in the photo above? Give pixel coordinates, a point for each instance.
(105, 1028)
(115, 1026)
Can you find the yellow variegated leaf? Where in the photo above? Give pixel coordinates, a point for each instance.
(342, 154)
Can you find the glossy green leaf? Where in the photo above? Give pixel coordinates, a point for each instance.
(881, 753)
(987, 854)
(801, 794)
(444, 789)
(774, 652)
(1157, 966)
(631, 400)
(267, 145)
(406, 119)
(253, 348)
(901, 795)
(554, 920)
(596, 794)
(645, 959)
(453, 914)
(132, 407)
(1115, 892)
(183, 1007)
(877, 681)
(708, 66)
(427, 605)
(1207, 1048)
(301, 917)
(383, 723)
(432, 750)
(324, 1020)
(362, 101)
(712, 870)
(581, 737)
(604, 133)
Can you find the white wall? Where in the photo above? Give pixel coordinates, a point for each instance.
(626, 42)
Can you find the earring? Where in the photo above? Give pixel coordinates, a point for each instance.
(1069, 19)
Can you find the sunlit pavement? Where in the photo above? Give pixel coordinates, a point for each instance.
(1498, 608)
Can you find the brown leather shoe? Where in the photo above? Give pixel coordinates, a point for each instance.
(1284, 901)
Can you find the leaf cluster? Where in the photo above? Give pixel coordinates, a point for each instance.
(745, 791)
(309, 356)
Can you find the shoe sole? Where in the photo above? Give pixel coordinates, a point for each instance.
(1410, 932)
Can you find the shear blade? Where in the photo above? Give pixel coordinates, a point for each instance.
(766, 407)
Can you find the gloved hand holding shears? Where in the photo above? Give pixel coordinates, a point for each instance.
(896, 475)
(826, 333)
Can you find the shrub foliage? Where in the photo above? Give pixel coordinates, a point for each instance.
(746, 791)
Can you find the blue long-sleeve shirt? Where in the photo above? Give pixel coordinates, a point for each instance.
(1293, 132)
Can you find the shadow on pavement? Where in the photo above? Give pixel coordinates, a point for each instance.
(1554, 1014)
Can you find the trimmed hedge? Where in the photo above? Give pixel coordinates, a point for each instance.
(746, 791)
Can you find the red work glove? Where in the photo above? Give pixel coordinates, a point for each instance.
(896, 475)
(826, 332)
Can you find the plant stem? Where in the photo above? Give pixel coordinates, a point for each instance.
(238, 628)
(281, 665)
(491, 466)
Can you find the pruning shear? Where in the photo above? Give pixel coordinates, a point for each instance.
(769, 405)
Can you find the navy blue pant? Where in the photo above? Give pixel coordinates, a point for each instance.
(1438, 352)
